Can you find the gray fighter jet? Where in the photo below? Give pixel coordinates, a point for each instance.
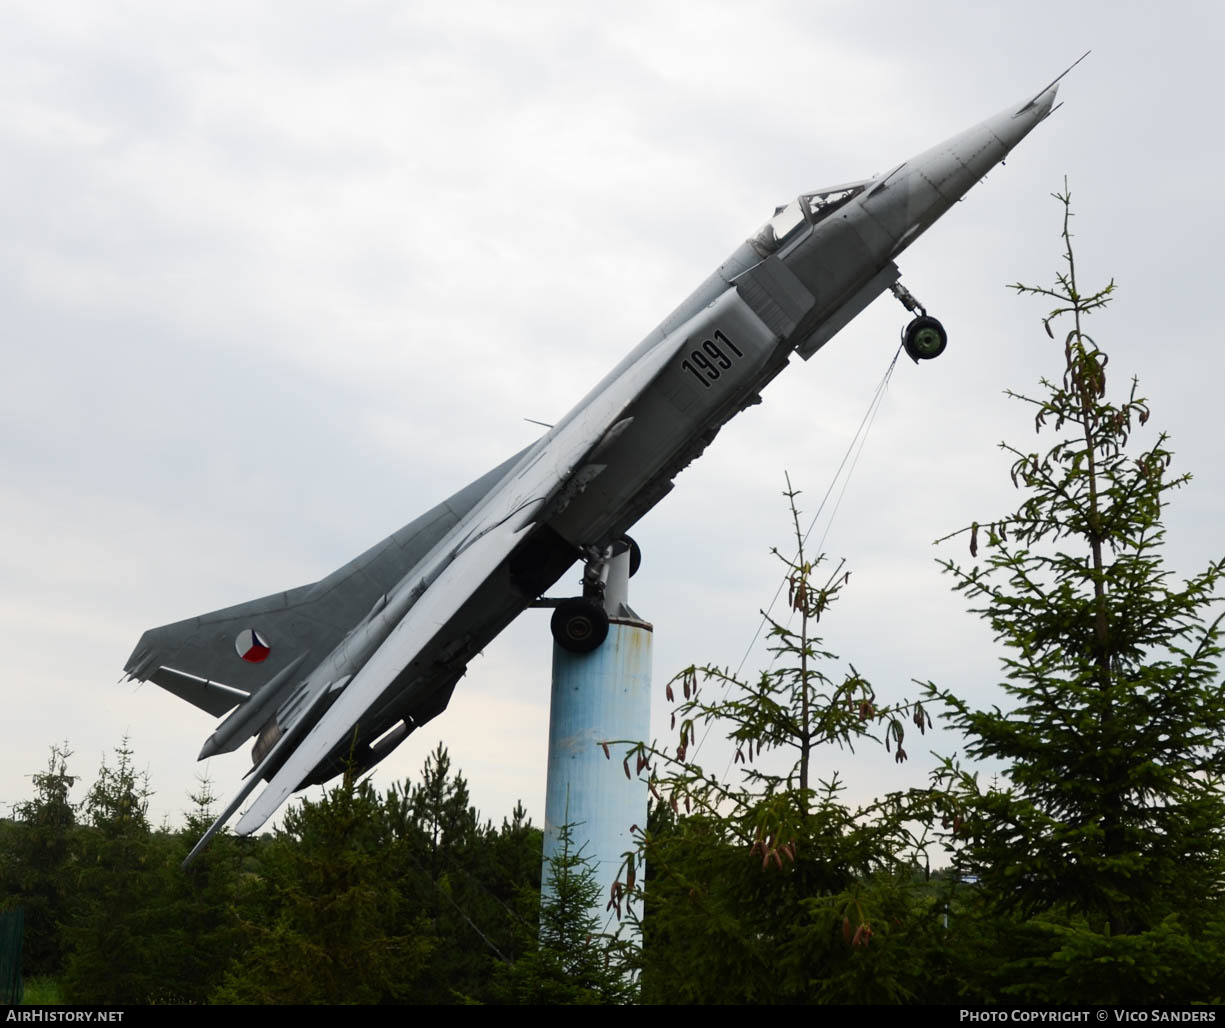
(341, 671)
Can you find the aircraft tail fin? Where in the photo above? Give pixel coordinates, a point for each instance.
(220, 659)
(248, 644)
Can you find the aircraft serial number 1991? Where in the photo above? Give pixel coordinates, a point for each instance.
(709, 365)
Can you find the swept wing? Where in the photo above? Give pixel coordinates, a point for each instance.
(484, 540)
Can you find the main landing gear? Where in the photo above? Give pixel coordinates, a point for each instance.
(924, 338)
(580, 624)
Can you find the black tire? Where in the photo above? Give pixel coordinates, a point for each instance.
(635, 554)
(578, 625)
(924, 339)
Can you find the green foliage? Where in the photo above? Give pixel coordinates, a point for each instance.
(141, 930)
(1071, 964)
(721, 928)
(1112, 807)
(198, 935)
(111, 934)
(42, 992)
(770, 888)
(128, 925)
(451, 872)
(328, 929)
(369, 898)
(36, 863)
(361, 898)
(570, 961)
(118, 802)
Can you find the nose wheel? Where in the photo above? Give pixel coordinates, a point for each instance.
(924, 338)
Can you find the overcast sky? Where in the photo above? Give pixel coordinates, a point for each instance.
(276, 278)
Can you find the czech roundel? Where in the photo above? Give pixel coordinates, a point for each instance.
(252, 646)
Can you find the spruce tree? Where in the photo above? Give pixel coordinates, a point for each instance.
(35, 870)
(1110, 804)
(199, 936)
(570, 962)
(112, 932)
(325, 921)
(439, 849)
(763, 884)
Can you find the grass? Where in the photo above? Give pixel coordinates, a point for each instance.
(42, 992)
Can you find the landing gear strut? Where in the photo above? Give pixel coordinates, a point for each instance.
(924, 338)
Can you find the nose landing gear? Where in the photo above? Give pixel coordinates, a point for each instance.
(924, 338)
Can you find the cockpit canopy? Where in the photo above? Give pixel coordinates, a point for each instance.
(806, 209)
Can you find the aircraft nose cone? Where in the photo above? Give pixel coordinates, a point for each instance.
(917, 193)
(1011, 127)
(958, 163)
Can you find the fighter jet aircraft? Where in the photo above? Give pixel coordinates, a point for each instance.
(340, 672)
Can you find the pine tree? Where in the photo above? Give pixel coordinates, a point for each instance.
(1111, 805)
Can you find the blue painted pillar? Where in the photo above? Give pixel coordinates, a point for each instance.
(605, 694)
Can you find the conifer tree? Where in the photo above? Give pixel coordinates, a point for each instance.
(765, 885)
(570, 962)
(199, 936)
(1110, 806)
(112, 932)
(438, 851)
(35, 875)
(327, 923)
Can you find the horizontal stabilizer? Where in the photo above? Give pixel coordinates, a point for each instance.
(248, 644)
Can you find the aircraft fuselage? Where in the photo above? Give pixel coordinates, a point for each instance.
(443, 587)
(773, 297)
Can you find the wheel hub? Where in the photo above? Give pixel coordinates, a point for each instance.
(927, 342)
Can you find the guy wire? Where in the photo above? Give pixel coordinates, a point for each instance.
(865, 425)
